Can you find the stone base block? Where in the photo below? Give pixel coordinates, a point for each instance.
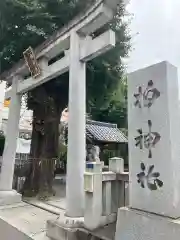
(58, 232)
(91, 225)
(64, 228)
(138, 225)
(9, 197)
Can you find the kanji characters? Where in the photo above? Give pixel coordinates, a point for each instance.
(139, 139)
(147, 140)
(149, 179)
(147, 97)
(138, 97)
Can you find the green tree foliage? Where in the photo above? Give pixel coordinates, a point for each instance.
(25, 23)
(115, 109)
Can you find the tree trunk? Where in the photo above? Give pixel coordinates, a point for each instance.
(44, 145)
(49, 152)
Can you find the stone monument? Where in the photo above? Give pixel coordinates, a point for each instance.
(93, 155)
(154, 166)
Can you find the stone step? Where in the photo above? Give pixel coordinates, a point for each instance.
(46, 206)
(60, 204)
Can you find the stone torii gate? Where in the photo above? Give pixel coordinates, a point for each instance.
(79, 47)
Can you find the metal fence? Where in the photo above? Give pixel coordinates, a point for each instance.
(24, 166)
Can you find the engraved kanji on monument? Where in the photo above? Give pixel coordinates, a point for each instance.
(154, 143)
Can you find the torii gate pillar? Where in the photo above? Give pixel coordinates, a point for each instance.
(76, 131)
(7, 194)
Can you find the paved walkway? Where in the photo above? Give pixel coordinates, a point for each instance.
(30, 217)
(27, 220)
(24, 221)
(57, 205)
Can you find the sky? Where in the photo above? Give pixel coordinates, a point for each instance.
(158, 38)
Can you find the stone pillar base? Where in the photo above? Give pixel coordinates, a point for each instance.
(139, 225)
(64, 228)
(67, 228)
(103, 221)
(9, 197)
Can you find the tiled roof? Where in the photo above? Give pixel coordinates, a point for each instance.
(104, 132)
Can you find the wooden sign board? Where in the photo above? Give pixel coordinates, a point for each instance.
(31, 62)
(7, 102)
